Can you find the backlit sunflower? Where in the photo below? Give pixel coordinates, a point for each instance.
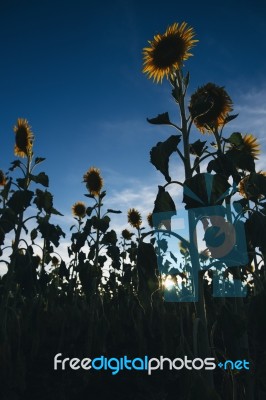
(250, 145)
(209, 106)
(126, 234)
(2, 178)
(134, 218)
(253, 185)
(79, 209)
(149, 219)
(168, 51)
(24, 138)
(94, 181)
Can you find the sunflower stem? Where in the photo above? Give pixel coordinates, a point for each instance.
(97, 243)
(200, 304)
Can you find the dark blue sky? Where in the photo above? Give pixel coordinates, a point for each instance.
(73, 69)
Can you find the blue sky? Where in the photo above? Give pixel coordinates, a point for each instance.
(73, 69)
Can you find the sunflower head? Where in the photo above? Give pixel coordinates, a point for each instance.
(79, 209)
(149, 220)
(250, 145)
(24, 138)
(94, 181)
(168, 51)
(55, 261)
(209, 106)
(134, 218)
(253, 186)
(2, 178)
(126, 234)
(204, 255)
(183, 248)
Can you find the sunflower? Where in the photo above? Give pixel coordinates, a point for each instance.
(209, 106)
(94, 181)
(126, 234)
(2, 178)
(149, 219)
(55, 261)
(134, 218)
(79, 209)
(24, 138)
(167, 51)
(253, 185)
(250, 145)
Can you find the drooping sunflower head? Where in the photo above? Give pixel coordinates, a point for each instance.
(94, 181)
(55, 261)
(126, 234)
(253, 185)
(79, 209)
(24, 138)
(168, 51)
(134, 218)
(2, 178)
(209, 106)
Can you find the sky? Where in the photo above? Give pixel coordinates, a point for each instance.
(73, 69)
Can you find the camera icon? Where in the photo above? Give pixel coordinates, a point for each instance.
(204, 238)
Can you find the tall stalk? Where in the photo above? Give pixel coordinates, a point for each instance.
(198, 276)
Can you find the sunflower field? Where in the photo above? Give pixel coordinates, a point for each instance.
(195, 292)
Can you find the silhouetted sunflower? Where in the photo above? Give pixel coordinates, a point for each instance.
(55, 261)
(2, 178)
(253, 185)
(94, 181)
(126, 234)
(250, 145)
(209, 106)
(79, 209)
(24, 138)
(167, 51)
(149, 219)
(134, 218)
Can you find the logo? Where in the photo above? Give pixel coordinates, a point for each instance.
(116, 365)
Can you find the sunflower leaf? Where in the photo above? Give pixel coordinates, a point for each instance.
(161, 119)
(164, 209)
(103, 194)
(161, 152)
(20, 200)
(230, 118)
(22, 182)
(176, 93)
(109, 238)
(15, 164)
(197, 148)
(186, 79)
(44, 200)
(236, 139)
(41, 178)
(173, 257)
(38, 160)
(33, 234)
(114, 211)
(56, 212)
(102, 224)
